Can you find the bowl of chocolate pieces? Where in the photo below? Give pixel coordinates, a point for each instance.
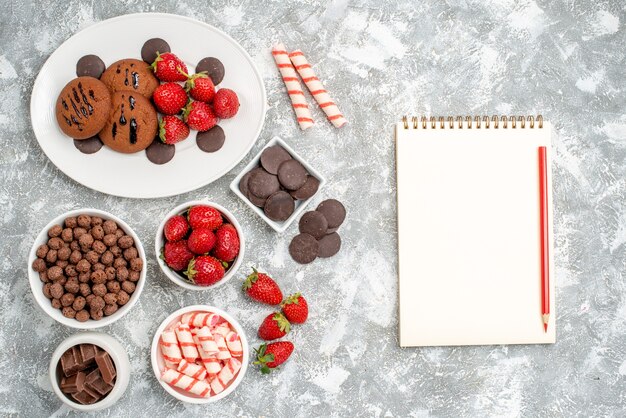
(89, 371)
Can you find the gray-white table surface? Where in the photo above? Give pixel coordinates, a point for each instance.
(563, 59)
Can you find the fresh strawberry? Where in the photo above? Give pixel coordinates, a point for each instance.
(227, 247)
(169, 98)
(168, 67)
(274, 326)
(205, 270)
(295, 309)
(200, 87)
(199, 116)
(272, 355)
(175, 228)
(172, 130)
(176, 255)
(225, 103)
(262, 288)
(201, 240)
(205, 217)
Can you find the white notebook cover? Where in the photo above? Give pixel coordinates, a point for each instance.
(469, 236)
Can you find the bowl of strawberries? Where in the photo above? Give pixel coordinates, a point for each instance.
(199, 245)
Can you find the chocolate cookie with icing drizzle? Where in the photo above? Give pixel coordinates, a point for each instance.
(83, 107)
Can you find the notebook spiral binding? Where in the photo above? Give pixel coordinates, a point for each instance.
(478, 121)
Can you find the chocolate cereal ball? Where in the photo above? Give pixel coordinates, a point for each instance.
(107, 258)
(110, 309)
(110, 298)
(70, 270)
(125, 242)
(55, 273)
(110, 272)
(39, 265)
(130, 253)
(42, 250)
(84, 289)
(96, 314)
(92, 256)
(96, 220)
(109, 240)
(84, 221)
(98, 266)
(43, 276)
(55, 243)
(122, 298)
(83, 266)
(56, 303)
(75, 246)
(51, 257)
(136, 264)
(64, 253)
(56, 290)
(46, 290)
(82, 315)
(85, 241)
(75, 257)
(119, 233)
(99, 247)
(79, 232)
(62, 281)
(79, 303)
(97, 232)
(69, 312)
(67, 299)
(119, 262)
(72, 285)
(97, 302)
(61, 263)
(84, 277)
(134, 276)
(90, 298)
(67, 235)
(98, 277)
(71, 222)
(99, 289)
(115, 250)
(113, 286)
(128, 287)
(109, 226)
(55, 231)
(121, 273)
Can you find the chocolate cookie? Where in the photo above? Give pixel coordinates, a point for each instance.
(308, 190)
(160, 153)
(152, 48)
(90, 66)
(292, 175)
(313, 223)
(329, 245)
(213, 67)
(89, 145)
(304, 248)
(83, 107)
(132, 124)
(333, 211)
(130, 74)
(272, 157)
(211, 140)
(263, 184)
(279, 206)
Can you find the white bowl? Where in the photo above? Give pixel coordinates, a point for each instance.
(158, 364)
(300, 204)
(118, 355)
(159, 242)
(37, 286)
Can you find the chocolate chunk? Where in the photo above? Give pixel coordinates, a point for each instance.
(95, 384)
(90, 66)
(308, 190)
(279, 206)
(105, 364)
(73, 384)
(213, 67)
(329, 245)
(273, 157)
(334, 212)
(211, 140)
(263, 184)
(304, 248)
(72, 362)
(160, 153)
(313, 223)
(292, 175)
(88, 352)
(89, 145)
(152, 48)
(83, 397)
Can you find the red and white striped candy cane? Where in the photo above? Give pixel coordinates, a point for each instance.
(294, 88)
(234, 344)
(170, 349)
(210, 361)
(192, 369)
(316, 88)
(200, 319)
(205, 338)
(187, 383)
(223, 353)
(185, 340)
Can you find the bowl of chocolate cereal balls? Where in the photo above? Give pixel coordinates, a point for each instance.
(87, 268)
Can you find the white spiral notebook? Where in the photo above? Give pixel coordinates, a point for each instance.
(469, 231)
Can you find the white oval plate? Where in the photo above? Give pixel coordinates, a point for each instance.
(133, 175)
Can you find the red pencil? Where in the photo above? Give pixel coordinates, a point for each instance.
(543, 224)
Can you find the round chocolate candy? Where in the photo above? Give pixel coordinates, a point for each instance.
(90, 66)
(211, 140)
(272, 157)
(89, 145)
(308, 190)
(333, 211)
(245, 190)
(329, 245)
(313, 223)
(213, 67)
(152, 48)
(292, 175)
(243, 183)
(262, 184)
(279, 206)
(304, 248)
(160, 153)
